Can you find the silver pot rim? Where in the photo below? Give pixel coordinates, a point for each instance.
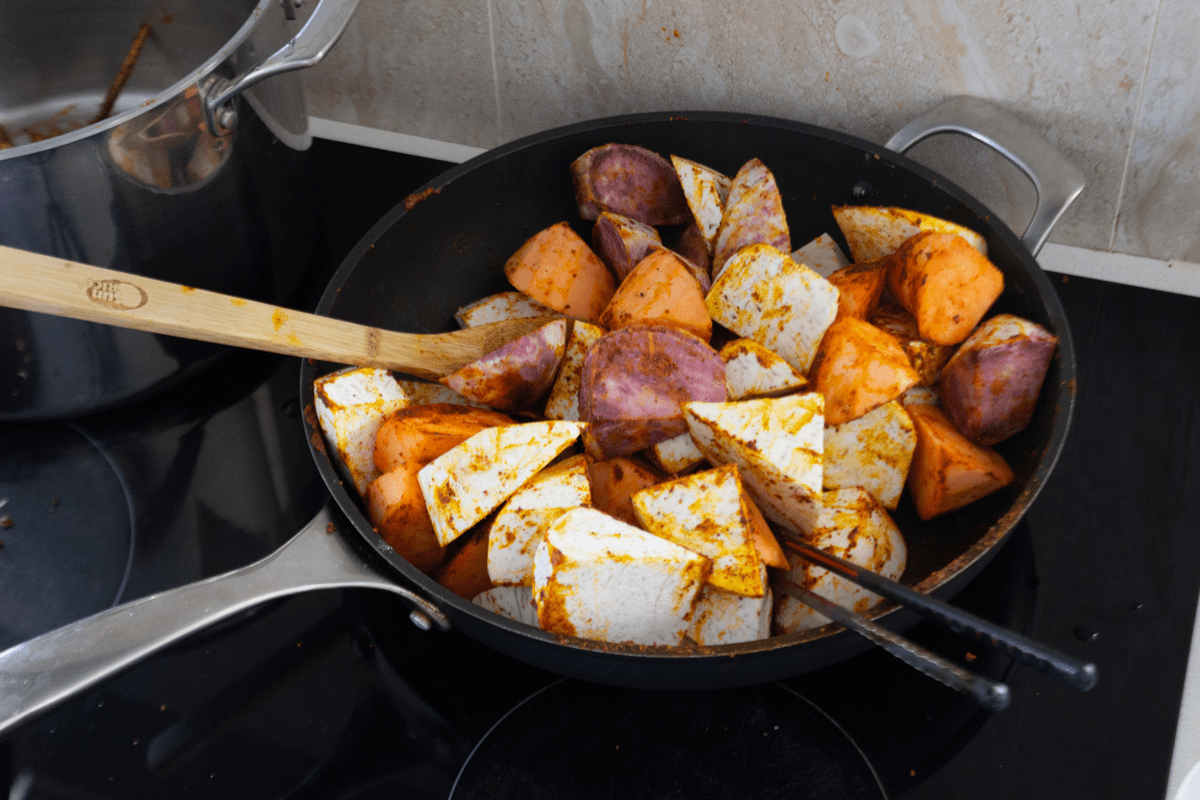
(192, 78)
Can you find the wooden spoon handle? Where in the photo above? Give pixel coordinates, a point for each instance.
(49, 285)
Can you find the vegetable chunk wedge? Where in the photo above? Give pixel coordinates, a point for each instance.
(877, 231)
(948, 470)
(633, 382)
(822, 255)
(557, 268)
(726, 618)
(517, 374)
(991, 385)
(854, 527)
(598, 578)
(777, 444)
(501, 307)
(469, 482)
(706, 191)
(621, 242)
(564, 395)
(926, 357)
(859, 368)
(753, 215)
(704, 512)
(521, 523)
(629, 180)
(513, 602)
(784, 306)
(419, 434)
(396, 509)
(873, 451)
(659, 291)
(752, 370)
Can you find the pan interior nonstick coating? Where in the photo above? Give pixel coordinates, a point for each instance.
(446, 245)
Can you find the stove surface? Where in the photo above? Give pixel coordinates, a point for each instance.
(337, 694)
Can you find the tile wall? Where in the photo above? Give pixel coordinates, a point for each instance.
(1114, 84)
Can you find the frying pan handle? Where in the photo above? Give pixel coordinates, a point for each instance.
(1056, 180)
(38, 674)
(326, 25)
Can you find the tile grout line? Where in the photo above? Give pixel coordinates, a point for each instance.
(1137, 121)
(496, 71)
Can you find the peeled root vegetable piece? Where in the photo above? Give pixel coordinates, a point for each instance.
(676, 455)
(514, 602)
(634, 380)
(877, 231)
(946, 284)
(621, 242)
(516, 375)
(706, 191)
(853, 527)
(704, 512)
(419, 434)
(948, 470)
(753, 215)
(564, 395)
(860, 287)
(500, 307)
(822, 255)
(873, 452)
(769, 551)
(396, 509)
(752, 370)
(726, 618)
(521, 523)
(659, 291)
(464, 485)
(784, 306)
(777, 445)
(629, 180)
(615, 481)
(465, 571)
(598, 578)
(991, 385)
(858, 368)
(557, 268)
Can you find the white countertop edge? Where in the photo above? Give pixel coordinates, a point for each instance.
(1179, 277)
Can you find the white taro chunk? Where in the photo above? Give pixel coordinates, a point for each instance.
(514, 602)
(876, 231)
(854, 527)
(599, 578)
(465, 484)
(704, 512)
(501, 307)
(564, 395)
(521, 523)
(778, 446)
(706, 191)
(873, 451)
(517, 374)
(784, 306)
(676, 455)
(352, 403)
(822, 255)
(752, 370)
(726, 618)
(753, 215)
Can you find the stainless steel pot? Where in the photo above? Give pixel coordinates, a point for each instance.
(200, 175)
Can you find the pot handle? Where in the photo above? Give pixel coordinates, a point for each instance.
(1057, 181)
(39, 674)
(326, 25)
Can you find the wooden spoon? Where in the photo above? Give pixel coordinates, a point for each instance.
(49, 285)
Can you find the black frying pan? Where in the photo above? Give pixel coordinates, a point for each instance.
(445, 246)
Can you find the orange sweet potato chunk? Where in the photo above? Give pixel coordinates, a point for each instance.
(660, 290)
(948, 470)
(396, 509)
(419, 434)
(860, 287)
(558, 269)
(858, 368)
(945, 283)
(465, 572)
(615, 481)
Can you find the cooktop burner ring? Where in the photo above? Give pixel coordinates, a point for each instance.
(578, 739)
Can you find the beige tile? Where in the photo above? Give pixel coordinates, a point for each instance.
(419, 68)
(1160, 209)
(1069, 68)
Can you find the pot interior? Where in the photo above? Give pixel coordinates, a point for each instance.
(60, 58)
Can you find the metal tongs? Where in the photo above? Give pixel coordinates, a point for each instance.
(990, 694)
